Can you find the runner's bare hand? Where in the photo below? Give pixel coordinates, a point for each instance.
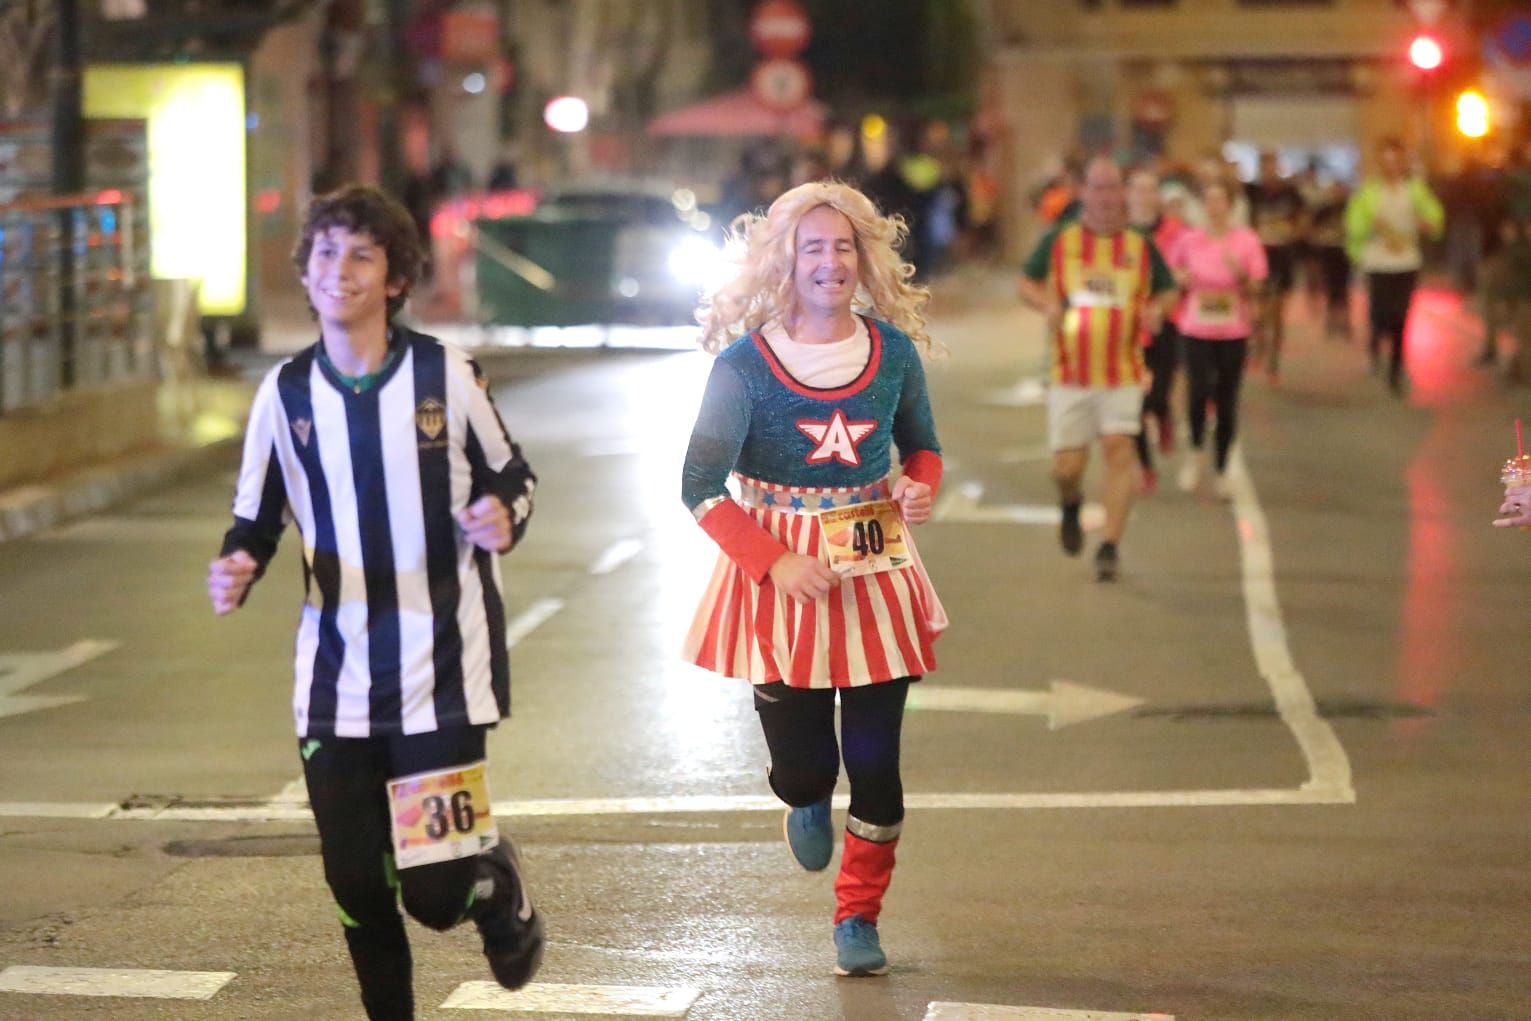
(914, 498)
(1516, 508)
(228, 579)
(486, 524)
(802, 578)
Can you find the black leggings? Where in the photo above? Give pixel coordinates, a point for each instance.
(799, 725)
(1161, 356)
(1389, 295)
(1215, 368)
(346, 778)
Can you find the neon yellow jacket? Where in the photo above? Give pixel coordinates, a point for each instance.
(1361, 213)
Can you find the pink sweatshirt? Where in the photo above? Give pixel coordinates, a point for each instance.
(1214, 307)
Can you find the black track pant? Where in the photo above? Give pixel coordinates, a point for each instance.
(1161, 357)
(1214, 370)
(346, 778)
(1389, 295)
(799, 725)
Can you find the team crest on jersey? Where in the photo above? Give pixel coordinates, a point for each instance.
(431, 418)
(837, 438)
(301, 428)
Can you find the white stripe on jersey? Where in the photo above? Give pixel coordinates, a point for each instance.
(406, 520)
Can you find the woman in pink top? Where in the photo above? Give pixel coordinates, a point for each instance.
(1220, 268)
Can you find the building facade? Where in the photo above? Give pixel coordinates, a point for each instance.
(1319, 80)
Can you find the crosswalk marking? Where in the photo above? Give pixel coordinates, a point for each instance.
(553, 998)
(998, 1012)
(135, 982)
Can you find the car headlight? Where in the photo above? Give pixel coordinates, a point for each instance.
(695, 261)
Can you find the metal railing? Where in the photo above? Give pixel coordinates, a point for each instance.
(75, 303)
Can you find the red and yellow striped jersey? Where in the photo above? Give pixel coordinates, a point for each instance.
(1104, 282)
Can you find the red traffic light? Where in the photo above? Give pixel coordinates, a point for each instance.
(1425, 53)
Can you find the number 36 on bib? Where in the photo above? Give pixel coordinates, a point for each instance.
(441, 815)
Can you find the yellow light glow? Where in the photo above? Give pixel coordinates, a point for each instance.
(196, 117)
(1472, 114)
(873, 126)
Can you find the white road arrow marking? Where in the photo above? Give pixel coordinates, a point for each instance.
(20, 670)
(962, 503)
(996, 1012)
(1064, 703)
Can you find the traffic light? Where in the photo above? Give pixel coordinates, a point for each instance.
(1472, 114)
(1425, 52)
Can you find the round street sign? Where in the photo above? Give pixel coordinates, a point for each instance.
(779, 28)
(781, 84)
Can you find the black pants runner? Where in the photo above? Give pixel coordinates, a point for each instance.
(799, 725)
(1214, 369)
(346, 778)
(1161, 357)
(1389, 295)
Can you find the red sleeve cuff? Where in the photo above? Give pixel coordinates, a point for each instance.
(746, 543)
(925, 466)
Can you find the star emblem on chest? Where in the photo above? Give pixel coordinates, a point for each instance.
(837, 438)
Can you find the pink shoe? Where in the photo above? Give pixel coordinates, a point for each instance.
(1148, 484)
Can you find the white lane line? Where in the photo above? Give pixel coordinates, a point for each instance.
(134, 982)
(998, 1012)
(1328, 766)
(615, 555)
(56, 809)
(531, 618)
(295, 793)
(273, 811)
(963, 503)
(553, 998)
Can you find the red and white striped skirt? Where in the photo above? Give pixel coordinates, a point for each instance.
(870, 628)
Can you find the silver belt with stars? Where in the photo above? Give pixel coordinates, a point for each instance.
(806, 499)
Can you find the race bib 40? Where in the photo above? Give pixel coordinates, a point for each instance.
(867, 538)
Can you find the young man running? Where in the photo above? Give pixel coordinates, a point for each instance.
(384, 447)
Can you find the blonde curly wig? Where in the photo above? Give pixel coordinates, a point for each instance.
(765, 249)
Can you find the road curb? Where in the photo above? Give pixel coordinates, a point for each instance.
(29, 509)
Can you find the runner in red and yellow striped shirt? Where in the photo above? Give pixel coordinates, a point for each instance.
(1102, 286)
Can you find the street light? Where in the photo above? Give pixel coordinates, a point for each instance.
(1472, 114)
(567, 114)
(1425, 52)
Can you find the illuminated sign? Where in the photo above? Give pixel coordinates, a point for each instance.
(196, 128)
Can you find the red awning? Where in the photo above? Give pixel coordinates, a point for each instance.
(739, 113)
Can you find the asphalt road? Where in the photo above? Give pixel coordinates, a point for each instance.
(1276, 773)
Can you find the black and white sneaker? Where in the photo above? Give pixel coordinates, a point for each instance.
(510, 926)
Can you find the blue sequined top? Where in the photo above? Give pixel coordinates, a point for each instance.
(758, 420)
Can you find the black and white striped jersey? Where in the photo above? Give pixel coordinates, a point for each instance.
(403, 625)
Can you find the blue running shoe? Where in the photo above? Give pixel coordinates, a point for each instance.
(857, 950)
(810, 835)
